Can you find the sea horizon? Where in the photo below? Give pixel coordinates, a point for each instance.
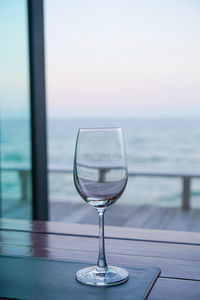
(162, 144)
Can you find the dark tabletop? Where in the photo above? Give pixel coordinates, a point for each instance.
(177, 254)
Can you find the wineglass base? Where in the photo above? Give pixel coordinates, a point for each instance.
(91, 276)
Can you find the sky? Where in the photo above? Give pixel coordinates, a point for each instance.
(106, 58)
(14, 67)
(123, 58)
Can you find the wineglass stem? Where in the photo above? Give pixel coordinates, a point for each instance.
(101, 264)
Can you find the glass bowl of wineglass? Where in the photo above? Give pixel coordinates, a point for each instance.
(100, 177)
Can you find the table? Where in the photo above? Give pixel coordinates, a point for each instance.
(176, 253)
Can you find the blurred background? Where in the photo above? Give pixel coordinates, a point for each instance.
(130, 64)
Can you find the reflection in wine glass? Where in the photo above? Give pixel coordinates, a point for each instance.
(100, 177)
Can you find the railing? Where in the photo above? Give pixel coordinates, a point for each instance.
(24, 174)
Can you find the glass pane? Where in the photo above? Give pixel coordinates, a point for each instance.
(15, 111)
(136, 65)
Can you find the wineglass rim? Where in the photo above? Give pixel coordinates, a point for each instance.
(100, 128)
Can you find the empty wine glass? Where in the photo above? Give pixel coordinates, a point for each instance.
(100, 177)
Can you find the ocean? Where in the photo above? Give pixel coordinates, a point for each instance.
(166, 145)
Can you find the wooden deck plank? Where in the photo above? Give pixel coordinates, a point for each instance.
(137, 216)
(114, 232)
(175, 290)
(184, 269)
(115, 246)
(143, 217)
(140, 216)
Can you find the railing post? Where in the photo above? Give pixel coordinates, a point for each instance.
(186, 193)
(102, 173)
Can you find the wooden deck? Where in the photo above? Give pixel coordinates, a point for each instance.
(123, 215)
(141, 216)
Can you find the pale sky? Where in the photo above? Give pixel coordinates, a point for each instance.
(106, 58)
(14, 67)
(121, 57)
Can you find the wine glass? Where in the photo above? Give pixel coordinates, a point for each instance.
(100, 177)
